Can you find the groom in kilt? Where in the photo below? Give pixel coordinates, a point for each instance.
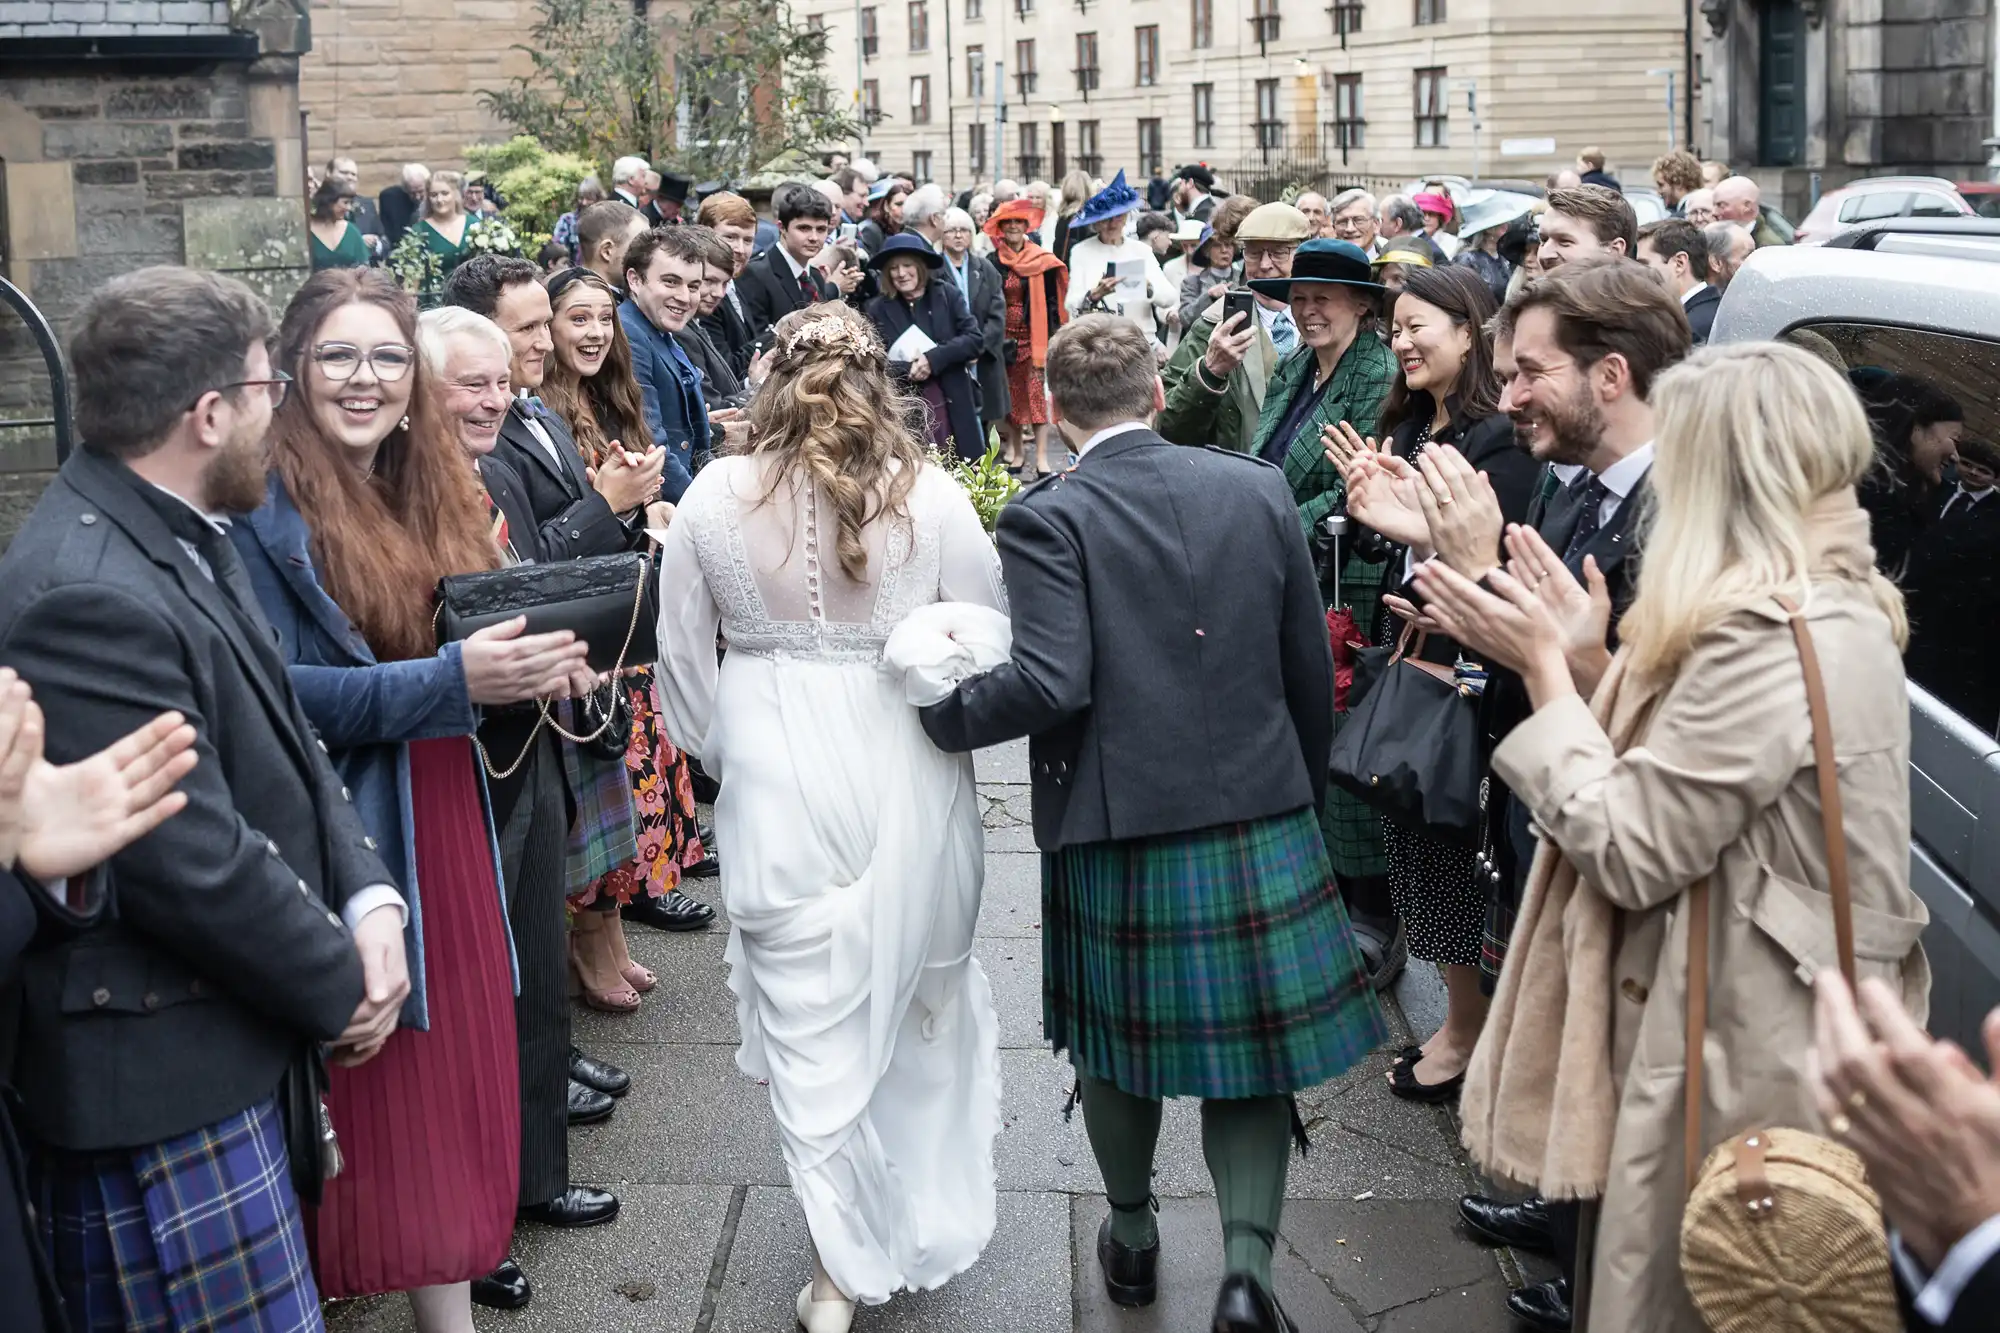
(1170, 667)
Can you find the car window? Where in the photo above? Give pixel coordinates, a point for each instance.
(1933, 510)
(1875, 204)
(1987, 205)
(1935, 206)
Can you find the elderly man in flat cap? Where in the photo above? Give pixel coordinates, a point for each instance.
(1216, 378)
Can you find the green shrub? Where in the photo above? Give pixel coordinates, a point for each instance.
(539, 186)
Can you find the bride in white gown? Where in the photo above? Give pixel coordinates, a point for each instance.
(854, 853)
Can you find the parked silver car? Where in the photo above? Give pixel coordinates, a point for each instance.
(1922, 299)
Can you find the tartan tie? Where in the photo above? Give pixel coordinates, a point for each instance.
(497, 519)
(807, 286)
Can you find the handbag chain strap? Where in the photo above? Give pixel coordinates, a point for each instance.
(542, 705)
(1838, 886)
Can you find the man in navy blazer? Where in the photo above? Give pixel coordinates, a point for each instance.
(663, 277)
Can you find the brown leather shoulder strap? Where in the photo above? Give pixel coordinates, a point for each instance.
(1832, 827)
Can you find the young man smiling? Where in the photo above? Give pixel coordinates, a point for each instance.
(664, 272)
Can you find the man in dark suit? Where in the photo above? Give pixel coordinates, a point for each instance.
(782, 279)
(403, 202)
(1578, 352)
(254, 926)
(1678, 252)
(1160, 766)
(734, 223)
(1952, 590)
(361, 210)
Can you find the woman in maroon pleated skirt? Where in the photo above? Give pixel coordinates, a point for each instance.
(369, 503)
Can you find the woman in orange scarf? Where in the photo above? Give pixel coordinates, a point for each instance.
(1034, 281)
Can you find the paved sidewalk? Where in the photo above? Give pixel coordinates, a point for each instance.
(710, 1240)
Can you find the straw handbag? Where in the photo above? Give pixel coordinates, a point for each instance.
(1781, 1233)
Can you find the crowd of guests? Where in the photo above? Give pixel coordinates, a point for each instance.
(416, 858)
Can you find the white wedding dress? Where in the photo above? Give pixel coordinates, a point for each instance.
(852, 860)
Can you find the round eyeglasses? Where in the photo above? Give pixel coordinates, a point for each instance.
(389, 361)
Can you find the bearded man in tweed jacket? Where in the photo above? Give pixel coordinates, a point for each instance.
(1170, 667)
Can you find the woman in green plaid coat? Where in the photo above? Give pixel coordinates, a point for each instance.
(1179, 715)
(1342, 373)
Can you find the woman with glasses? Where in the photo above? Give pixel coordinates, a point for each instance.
(591, 386)
(369, 505)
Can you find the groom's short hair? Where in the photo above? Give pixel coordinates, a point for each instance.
(1101, 371)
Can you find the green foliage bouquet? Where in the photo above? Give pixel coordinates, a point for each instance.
(987, 483)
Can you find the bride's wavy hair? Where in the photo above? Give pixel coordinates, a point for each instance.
(830, 412)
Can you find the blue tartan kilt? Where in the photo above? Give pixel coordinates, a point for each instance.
(200, 1232)
(1215, 963)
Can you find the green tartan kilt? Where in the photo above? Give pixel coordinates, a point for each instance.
(1216, 963)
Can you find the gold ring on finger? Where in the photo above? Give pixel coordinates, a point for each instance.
(1857, 1100)
(1840, 1125)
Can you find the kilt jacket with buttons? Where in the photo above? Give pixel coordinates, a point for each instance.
(1170, 663)
(223, 948)
(366, 711)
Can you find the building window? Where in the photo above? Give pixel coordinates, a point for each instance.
(1086, 63)
(1346, 18)
(815, 23)
(1204, 115)
(975, 71)
(1350, 126)
(920, 100)
(1433, 115)
(1151, 153)
(1430, 11)
(1023, 8)
(1087, 156)
(871, 102)
(974, 9)
(1031, 150)
(1146, 40)
(1270, 130)
(920, 165)
(1264, 22)
(869, 40)
(1024, 67)
(975, 147)
(1202, 24)
(920, 25)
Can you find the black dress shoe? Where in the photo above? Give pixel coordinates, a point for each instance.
(1543, 1306)
(1131, 1277)
(602, 1075)
(1523, 1225)
(505, 1288)
(676, 912)
(706, 868)
(588, 1106)
(1384, 950)
(1243, 1306)
(577, 1206)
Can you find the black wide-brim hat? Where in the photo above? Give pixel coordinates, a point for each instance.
(1342, 263)
(905, 243)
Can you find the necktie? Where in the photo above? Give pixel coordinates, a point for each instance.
(1284, 334)
(808, 286)
(497, 520)
(1589, 521)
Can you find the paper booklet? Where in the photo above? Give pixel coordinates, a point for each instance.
(913, 344)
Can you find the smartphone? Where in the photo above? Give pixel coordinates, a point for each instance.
(847, 232)
(1111, 269)
(1240, 303)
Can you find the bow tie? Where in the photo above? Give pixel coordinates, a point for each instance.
(530, 405)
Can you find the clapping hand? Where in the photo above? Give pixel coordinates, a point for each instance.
(1510, 625)
(1925, 1120)
(627, 480)
(1584, 613)
(1381, 488)
(58, 820)
(1461, 509)
(846, 278)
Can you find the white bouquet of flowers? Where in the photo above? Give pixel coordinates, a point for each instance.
(492, 235)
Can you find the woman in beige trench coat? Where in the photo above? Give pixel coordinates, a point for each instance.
(1693, 758)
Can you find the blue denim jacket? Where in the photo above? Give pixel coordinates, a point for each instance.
(366, 711)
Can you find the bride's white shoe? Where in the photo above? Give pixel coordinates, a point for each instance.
(824, 1316)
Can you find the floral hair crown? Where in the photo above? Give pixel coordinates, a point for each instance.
(835, 333)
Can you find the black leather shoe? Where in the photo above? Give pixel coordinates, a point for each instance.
(706, 868)
(505, 1288)
(1523, 1225)
(1243, 1306)
(1543, 1306)
(602, 1075)
(1384, 950)
(675, 912)
(577, 1206)
(1131, 1277)
(588, 1106)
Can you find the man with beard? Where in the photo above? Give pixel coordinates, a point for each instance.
(1583, 346)
(251, 929)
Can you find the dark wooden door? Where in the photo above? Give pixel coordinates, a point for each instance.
(1781, 97)
(1058, 151)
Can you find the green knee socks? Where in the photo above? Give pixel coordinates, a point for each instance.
(1123, 1130)
(1248, 1144)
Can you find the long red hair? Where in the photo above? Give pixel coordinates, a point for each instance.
(380, 543)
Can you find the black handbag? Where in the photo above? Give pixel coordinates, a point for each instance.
(1410, 744)
(310, 1143)
(611, 602)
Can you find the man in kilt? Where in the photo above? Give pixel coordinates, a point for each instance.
(243, 933)
(1170, 666)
